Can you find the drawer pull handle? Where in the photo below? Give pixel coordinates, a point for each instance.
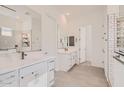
(32, 72)
(51, 70)
(52, 61)
(22, 77)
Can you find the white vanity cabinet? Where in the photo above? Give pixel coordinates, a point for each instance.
(67, 60)
(38, 75)
(34, 76)
(74, 57)
(9, 79)
(63, 63)
(36, 70)
(51, 70)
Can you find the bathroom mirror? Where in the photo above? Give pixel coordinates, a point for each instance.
(62, 38)
(8, 28)
(20, 28)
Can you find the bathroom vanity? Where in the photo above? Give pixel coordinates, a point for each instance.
(23, 62)
(66, 59)
(37, 70)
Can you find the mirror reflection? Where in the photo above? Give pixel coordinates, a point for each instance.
(17, 32)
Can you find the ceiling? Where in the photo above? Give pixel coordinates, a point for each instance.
(79, 10)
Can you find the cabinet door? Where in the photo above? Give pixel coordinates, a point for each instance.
(30, 69)
(34, 76)
(51, 69)
(43, 77)
(72, 59)
(68, 62)
(27, 74)
(9, 79)
(39, 80)
(51, 77)
(25, 80)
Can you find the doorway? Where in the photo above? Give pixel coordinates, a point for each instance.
(85, 44)
(82, 44)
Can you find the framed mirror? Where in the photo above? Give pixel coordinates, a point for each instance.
(20, 28)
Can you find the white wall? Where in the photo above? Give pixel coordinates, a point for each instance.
(49, 28)
(96, 19)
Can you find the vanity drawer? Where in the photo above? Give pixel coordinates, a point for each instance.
(9, 79)
(29, 75)
(30, 69)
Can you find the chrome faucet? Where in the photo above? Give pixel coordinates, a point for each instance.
(23, 55)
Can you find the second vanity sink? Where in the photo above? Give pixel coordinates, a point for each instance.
(66, 51)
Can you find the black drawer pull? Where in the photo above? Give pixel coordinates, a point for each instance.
(52, 61)
(22, 77)
(51, 69)
(32, 72)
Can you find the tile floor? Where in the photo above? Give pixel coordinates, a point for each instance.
(82, 75)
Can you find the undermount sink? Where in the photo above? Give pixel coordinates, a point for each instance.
(32, 56)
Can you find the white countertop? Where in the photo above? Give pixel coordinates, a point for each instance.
(70, 50)
(13, 61)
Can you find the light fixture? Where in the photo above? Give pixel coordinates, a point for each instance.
(67, 14)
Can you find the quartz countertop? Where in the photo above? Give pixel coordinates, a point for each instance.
(70, 50)
(13, 61)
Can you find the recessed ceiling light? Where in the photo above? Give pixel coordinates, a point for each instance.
(67, 14)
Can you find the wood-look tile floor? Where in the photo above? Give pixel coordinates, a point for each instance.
(81, 76)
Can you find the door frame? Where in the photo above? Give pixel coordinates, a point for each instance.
(82, 28)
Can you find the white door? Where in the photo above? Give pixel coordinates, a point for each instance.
(82, 49)
(85, 50)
